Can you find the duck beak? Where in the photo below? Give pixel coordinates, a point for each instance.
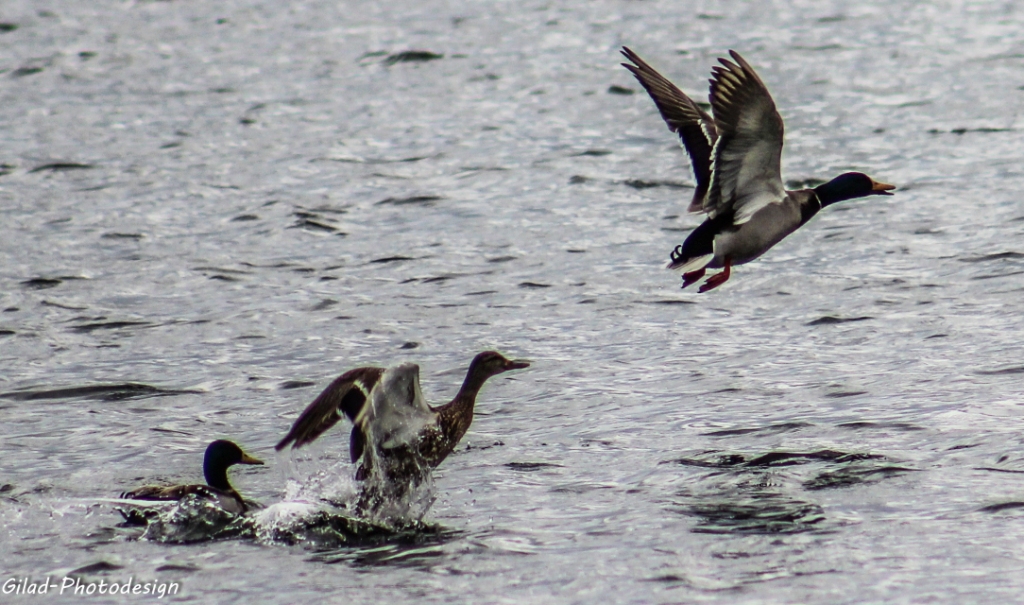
(881, 188)
(516, 364)
(247, 459)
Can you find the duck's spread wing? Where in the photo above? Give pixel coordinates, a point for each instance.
(696, 129)
(397, 413)
(746, 170)
(347, 395)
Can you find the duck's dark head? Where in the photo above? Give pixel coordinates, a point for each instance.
(483, 366)
(219, 456)
(492, 363)
(850, 186)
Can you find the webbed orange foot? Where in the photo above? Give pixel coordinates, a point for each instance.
(693, 276)
(717, 279)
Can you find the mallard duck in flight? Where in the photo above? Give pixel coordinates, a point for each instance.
(736, 159)
(388, 410)
(220, 455)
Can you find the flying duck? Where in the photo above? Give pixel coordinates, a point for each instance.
(736, 162)
(220, 455)
(390, 416)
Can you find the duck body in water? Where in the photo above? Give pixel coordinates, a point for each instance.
(220, 455)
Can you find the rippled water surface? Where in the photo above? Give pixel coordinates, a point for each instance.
(210, 210)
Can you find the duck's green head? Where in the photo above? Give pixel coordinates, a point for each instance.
(850, 186)
(219, 456)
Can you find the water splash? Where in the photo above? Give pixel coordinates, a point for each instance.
(333, 486)
(192, 519)
(330, 509)
(398, 487)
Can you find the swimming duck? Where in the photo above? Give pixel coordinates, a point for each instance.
(220, 455)
(736, 162)
(388, 411)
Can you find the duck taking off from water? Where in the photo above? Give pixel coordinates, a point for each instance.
(736, 158)
(395, 433)
(220, 455)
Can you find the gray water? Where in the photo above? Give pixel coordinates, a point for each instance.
(231, 203)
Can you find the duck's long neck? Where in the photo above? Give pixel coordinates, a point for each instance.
(217, 476)
(475, 379)
(460, 410)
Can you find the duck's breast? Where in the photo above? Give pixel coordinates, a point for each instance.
(230, 503)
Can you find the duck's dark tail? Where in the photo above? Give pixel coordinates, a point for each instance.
(697, 251)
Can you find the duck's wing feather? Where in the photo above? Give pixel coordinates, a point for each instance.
(347, 395)
(168, 492)
(229, 500)
(696, 129)
(356, 443)
(746, 172)
(397, 413)
(152, 492)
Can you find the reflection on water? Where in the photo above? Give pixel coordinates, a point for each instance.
(742, 494)
(761, 513)
(413, 547)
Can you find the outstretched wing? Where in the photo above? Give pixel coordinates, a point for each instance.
(696, 129)
(397, 412)
(746, 169)
(347, 395)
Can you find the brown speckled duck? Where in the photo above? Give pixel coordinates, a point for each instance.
(736, 158)
(220, 455)
(388, 410)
